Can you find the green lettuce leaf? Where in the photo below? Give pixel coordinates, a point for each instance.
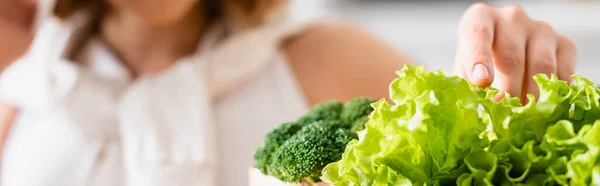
(442, 130)
(432, 126)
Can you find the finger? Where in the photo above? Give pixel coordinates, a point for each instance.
(566, 54)
(509, 51)
(474, 50)
(541, 56)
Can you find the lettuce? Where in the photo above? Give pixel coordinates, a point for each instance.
(442, 130)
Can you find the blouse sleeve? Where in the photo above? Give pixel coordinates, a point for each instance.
(22, 83)
(166, 130)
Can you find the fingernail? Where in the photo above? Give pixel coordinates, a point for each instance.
(480, 72)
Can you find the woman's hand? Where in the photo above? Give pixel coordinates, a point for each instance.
(16, 33)
(505, 48)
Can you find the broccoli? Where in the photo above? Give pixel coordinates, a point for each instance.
(356, 112)
(335, 123)
(325, 111)
(359, 124)
(356, 108)
(273, 140)
(304, 155)
(298, 151)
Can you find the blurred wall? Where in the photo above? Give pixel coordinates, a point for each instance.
(427, 29)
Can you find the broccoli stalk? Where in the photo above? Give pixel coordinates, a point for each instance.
(304, 155)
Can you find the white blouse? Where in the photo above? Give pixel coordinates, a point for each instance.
(196, 123)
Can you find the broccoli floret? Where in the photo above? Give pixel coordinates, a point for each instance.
(304, 155)
(359, 124)
(298, 151)
(356, 112)
(324, 111)
(262, 156)
(335, 123)
(273, 140)
(356, 108)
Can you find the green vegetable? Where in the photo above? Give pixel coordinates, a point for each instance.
(303, 156)
(359, 124)
(273, 140)
(356, 112)
(298, 151)
(437, 133)
(406, 139)
(325, 111)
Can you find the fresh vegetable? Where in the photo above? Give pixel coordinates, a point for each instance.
(356, 109)
(444, 131)
(298, 151)
(303, 156)
(356, 112)
(325, 111)
(273, 141)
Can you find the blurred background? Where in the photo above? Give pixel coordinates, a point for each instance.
(426, 29)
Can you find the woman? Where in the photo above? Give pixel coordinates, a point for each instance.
(180, 92)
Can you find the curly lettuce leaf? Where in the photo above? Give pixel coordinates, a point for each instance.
(585, 161)
(432, 126)
(435, 132)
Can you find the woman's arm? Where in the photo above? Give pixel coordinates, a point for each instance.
(7, 115)
(342, 62)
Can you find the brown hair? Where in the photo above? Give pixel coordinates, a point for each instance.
(243, 12)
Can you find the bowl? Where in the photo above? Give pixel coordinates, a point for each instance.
(257, 178)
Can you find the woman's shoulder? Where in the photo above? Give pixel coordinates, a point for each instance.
(27, 81)
(340, 61)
